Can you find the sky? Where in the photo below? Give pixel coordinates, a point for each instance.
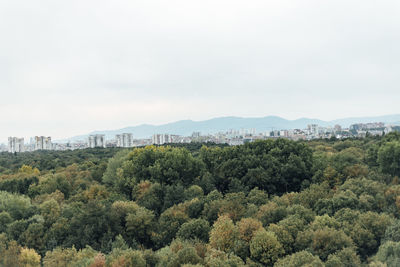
(71, 67)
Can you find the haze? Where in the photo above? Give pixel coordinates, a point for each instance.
(70, 67)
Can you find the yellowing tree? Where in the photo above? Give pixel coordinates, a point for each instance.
(29, 258)
(29, 170)
(59, 257)
(223, 234)
(247, 227)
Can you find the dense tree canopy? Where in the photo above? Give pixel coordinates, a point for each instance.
(265, 203)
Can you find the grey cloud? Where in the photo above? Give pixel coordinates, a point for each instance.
(288, 58)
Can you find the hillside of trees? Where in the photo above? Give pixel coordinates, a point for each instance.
(268, 203)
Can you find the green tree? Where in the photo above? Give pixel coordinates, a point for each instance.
(33, 237)
(19, 207)
(140, 225)
(389, 158)
(265, 248)
(195, 229)
(283, 236)
(129, 258)
(392, 233)
(299, 259)
(149, 195)
(50, 210)
(186, 255)
(5, 219)
(10, 255)
(246, 229)
(169, 223)
(271, 213)
(389, 253)
(324, 242)
(345, 257)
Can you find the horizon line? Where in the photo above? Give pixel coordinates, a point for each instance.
(214, 118)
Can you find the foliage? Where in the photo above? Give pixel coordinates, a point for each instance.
(265, 248)
(195, 229)
(389, 253)
(302, 258)
(274, 202)
(223, 234)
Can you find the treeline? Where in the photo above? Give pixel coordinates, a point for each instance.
(267, 203)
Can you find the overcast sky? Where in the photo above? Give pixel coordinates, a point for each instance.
(70, 67)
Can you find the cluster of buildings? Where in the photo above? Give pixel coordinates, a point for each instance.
(231, 137)
(17, 145)
(160, 139)
(314, 131)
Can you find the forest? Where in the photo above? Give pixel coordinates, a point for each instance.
(267, 203)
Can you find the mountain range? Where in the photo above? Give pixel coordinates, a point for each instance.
(263, 124)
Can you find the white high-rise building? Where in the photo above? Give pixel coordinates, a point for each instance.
(160, 139)
(284, 133)
(97, 140)
(15, 144)
(43, 143)
(313, 129)
(124, 140)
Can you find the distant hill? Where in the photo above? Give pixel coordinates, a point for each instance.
(187, 127)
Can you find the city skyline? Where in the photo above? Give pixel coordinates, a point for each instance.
(129, 136)
(232, 137)
(390, 119)
(73, 67)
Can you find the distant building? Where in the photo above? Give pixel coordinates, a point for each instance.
(97, 140)
(284, 133)
(15, 145)
(337, 128)
(124, 140)
(196, 134)
(313, 129)
(160, 139)
(367, 126)
(43, 143)
(274, 133)
(236, 142)
(388, 129)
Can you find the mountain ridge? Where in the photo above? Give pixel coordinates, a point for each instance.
(214, 125)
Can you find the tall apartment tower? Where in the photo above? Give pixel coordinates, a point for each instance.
(43, 143)
(313, 129)
(124, 140)
(15, 144)
(160, 139)
(97, 140)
